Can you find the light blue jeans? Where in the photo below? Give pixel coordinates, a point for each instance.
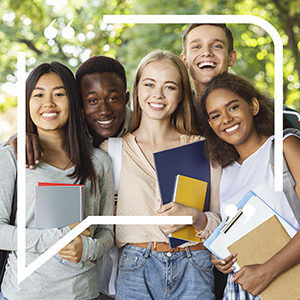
(146, 274)
(2, 297)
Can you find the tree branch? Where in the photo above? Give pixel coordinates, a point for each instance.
(31, 46)
(288, 23)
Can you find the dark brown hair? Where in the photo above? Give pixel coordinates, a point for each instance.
(74, 142)
(218, 151)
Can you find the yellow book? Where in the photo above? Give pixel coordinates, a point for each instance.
(190, 192)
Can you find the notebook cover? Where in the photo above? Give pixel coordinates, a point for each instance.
(190, 192)
(187, 160)
(58, 206)
(260, 245)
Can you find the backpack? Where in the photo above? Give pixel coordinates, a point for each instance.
(292, 116)
(4, 253)
(288, 180)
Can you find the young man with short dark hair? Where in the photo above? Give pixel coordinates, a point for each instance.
(104, 94)
(207, 51)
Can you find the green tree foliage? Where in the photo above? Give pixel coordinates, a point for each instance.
(22, 25)
(284, 15)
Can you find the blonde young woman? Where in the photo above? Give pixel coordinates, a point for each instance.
(164, 118)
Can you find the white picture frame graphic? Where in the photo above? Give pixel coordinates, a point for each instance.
(25, 271)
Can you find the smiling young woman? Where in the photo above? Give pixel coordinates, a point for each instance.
(163, 119)
(49, 104)
(53, 112)
(238, 124)
(231, 118)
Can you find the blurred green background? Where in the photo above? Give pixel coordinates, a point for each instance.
(22, 25)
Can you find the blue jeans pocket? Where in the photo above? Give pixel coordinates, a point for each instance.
(132, 260)
(201, 260)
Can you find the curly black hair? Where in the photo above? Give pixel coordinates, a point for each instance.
(101, 64)
(217, 150)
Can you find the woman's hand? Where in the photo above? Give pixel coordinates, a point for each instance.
(73, 251)
(224, 265)
(171, 209)
(86, 232)
(253, 279)
(177, 209)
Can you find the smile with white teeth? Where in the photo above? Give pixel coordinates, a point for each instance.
(228, 130)
(207, 64)
(49, 115)
(156, 105)
(107, 122)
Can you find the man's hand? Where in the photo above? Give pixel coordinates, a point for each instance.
(34, 150)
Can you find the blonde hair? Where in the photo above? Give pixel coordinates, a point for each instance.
(183, 118)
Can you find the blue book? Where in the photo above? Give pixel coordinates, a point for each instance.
(187, 160)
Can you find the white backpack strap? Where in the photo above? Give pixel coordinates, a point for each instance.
(115, 152)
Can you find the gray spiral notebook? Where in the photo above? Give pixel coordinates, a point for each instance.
(58, 205)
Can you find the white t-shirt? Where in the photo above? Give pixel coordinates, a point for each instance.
(254, 174)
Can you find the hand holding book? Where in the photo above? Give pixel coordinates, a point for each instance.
(257, 242)
(224, 265)
(73, 251)
(55, 201)
(85, 232)
(178, 209)
(190, 162)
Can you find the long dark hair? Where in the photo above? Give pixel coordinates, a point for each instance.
(74, 141)
(218, 151)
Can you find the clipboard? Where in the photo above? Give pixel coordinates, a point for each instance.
(231, 230)
(257, 247)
